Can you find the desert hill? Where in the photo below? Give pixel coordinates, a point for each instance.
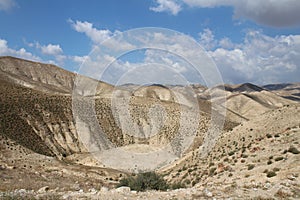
(39, 138)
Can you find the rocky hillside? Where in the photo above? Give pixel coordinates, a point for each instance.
(256, 155)
(36, 111)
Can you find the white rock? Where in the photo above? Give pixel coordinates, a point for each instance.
(123, 189)
(208, 193)
(21, 191)
(43, 189)
(93, 190)
(76, 187)
(267, 185)
(65, 196)
(103, 190)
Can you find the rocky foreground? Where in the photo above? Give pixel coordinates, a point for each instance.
(283, 190)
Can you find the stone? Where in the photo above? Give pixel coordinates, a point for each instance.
(267, 185)
(43, 189)
(93, 191)
(76, 187)
(123, 189)
(103, 190)
(208, 193)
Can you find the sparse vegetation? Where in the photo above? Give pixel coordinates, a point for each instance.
(293, 150)
(177, 185)
(278, 158)
(269, 135)
(144, 181)
(276, 169)
(269, 162)
(251, 166)
(271, 174)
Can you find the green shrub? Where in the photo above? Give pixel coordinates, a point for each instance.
(269, 162)
(244, 156)
(279, 158)
(271, 174)
(276, 169)
(144, 181)
(187, 181)
(293, 150)
(177, 185)
(251, 166)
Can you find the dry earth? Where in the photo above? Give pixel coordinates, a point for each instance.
(42, 156)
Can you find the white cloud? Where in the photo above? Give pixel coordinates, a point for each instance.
(165, 58)
(7, 4)
(79, 59)
(226, 43)
(167, 6)
(275, 13)
(22, 53)
(260, 59)
(97, 36)
(51, 49)
(207, 39)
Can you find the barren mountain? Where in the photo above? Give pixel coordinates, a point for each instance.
(40, 144)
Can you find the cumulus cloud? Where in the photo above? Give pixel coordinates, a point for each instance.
(51, 49)
(7, 4)
(274, 13)
(97, 36)
(207, 39)
(5, 50)
(167, 6)
(260, 58)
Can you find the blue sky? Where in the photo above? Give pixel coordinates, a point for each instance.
(249, 40)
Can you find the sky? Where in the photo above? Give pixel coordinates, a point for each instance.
(247, 40)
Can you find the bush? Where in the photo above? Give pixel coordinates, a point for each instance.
(269, 162)
(271, 174)
(279, 158)
(144, 181)
(177, 185)
(293, 150)
(276, 169)
(251, 166)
